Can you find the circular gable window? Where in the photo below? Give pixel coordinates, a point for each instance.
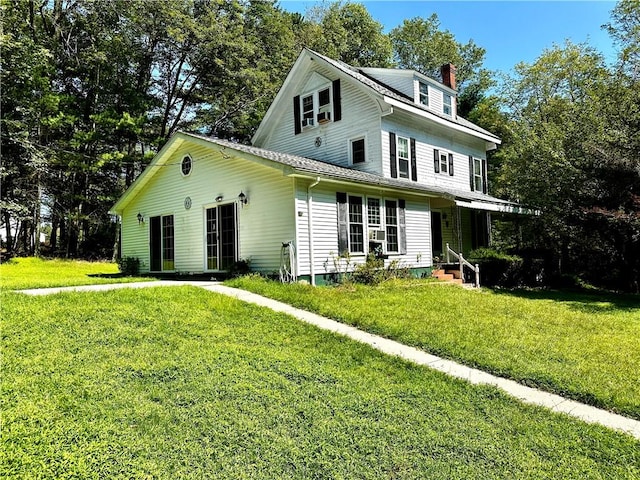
(186, 165)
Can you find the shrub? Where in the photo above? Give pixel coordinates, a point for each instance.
(129, 266)
(498, 269)
(373, 271)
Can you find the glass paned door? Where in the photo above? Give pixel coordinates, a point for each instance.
(221, 237)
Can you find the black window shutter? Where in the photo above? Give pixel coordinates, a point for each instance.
(337, 101)
(471, 179)
(296, 115)
(343, 223)
(485, 177)
(436, 160)
(451, 164)
(414, 162)
(402, 228)
(392, 155)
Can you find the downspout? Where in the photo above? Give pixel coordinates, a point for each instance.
(312, 270)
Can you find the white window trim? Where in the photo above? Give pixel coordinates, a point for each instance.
(350, 148)
(408, 158)
(367, 227)
(479, 175)
(315, 94)
(446, 96)
(446, 153)
(420, 93)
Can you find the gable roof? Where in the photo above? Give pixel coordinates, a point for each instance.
(385, 93)
(297, 166)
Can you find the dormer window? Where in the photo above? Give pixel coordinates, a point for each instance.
(424, 94)
(446, 105)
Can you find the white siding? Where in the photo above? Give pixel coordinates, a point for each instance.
(426, 142)
(263, 224)
(399, 80)
(325, 229)
(360, 117)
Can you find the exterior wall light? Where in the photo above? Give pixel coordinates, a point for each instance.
(219, 198)
(140, 218)
(242, 198)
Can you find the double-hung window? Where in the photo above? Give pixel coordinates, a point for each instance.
(356, 225)
(446, 105)
(477, 175)
(423, 94)
(358, 151)
(444, 162)
(307, 110)
(403, 157)
(369, 224)
(391, 222)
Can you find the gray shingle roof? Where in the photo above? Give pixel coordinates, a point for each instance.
(310, 167)
(384, 89)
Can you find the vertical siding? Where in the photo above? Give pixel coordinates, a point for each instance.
(266, 222)
(360, 117)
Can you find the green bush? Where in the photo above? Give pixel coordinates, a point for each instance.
(373, 271)
(129, 266)
(498, 269)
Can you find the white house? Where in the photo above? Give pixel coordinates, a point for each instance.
(346, 161)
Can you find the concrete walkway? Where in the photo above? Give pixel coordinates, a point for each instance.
(529, 395)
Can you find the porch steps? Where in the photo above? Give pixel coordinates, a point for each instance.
(449, 276)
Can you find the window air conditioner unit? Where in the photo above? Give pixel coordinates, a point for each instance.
(307, 122)
(376, 235)
(324, 117)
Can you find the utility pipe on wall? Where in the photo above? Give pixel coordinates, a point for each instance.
(312, 269)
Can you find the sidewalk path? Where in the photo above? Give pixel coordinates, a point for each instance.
(529, 395)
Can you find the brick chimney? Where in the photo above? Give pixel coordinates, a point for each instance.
(448, 72)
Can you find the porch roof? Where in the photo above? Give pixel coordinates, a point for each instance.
(306, 167)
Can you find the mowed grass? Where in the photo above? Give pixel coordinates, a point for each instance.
(183, 383)
(30, 272)
(584, 346)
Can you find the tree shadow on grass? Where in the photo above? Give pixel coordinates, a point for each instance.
(583, 300)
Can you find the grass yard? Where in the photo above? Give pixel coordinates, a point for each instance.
(584, 346)
(30, 272)
(183, 383)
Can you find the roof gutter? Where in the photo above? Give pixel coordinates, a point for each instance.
(442, 121)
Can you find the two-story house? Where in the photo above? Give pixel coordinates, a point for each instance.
(346, 161)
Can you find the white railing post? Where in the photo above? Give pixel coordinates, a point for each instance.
(447, 252)
(477, 276)
(461, 266)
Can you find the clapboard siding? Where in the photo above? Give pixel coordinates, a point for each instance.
(325, 229)
(426, 142)
(263, 224)
(360, 117)
(399, 80)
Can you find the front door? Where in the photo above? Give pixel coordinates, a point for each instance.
(436, 234)
(221, 237)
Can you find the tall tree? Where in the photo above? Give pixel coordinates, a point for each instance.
(347, 32)
(420, 44)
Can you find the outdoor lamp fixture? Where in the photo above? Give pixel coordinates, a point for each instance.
(219, 198)
(140, 218)
(242, 198)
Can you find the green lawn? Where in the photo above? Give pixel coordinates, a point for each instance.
(183, 383)
(585, 346)
(30, 272)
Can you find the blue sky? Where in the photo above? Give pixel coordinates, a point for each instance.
(510, 31)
